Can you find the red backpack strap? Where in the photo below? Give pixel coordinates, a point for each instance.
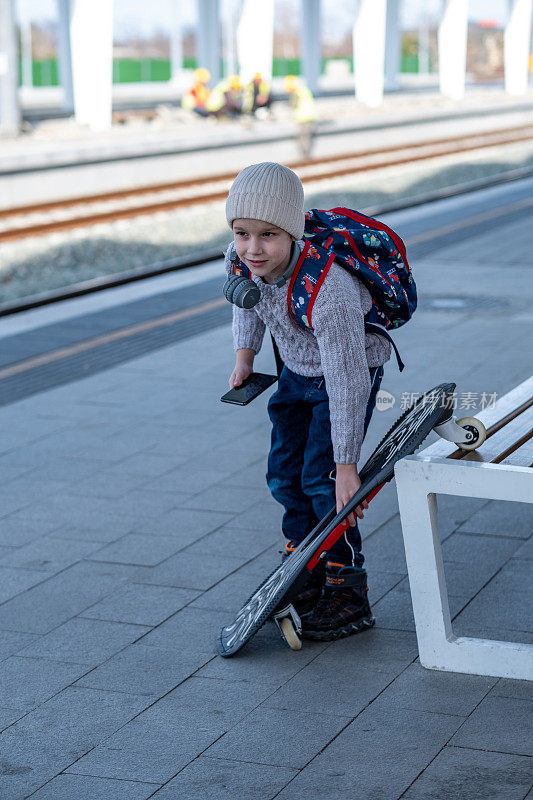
(308, 276)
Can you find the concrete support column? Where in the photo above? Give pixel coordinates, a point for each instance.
(516, 46)
(392, 44)
(91, 46)
(369, 51)
(255, 39)
(310, 43)
(208, 39)
(452, 36)
(64, 57)
(176, 43)
(26, 48)
(9, 103)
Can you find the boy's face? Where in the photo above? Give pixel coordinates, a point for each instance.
(264, 248)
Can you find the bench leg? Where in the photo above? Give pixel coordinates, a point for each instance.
(418, 481)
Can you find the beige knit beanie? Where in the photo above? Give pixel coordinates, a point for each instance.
(268, 192)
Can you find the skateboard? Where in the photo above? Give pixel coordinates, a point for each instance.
(272, 600)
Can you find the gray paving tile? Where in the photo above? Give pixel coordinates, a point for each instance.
(149, 465)
(525, 550)
(27, 682)
(383, 550)
(24, 768)
(196, 626)
(138, 548)
(145, 670)
(140, 604)
(502, 518)
(225, 497)
(252, 475)
(168, 735)
(257, 737)
(264, 516)
(48, 554)
(85, 512)
(11, 642)
(344, 680)
(16, 530)
(521, 690)
(504, 603)
(50, 738)
(15, 581)
(188, 571)
(388, 650)
(84, 641)
(394, 610)
(73, 469)
(463, 774)
(442, 692)
(380, 754)
(188, 525)
(107, 483)
(62, 596)
(183, 478)
(264, 563)
(83, 787)
(103, 534)
(503, 724)
(244, 543)
(8, 716)
(454, 510)
(219, 779)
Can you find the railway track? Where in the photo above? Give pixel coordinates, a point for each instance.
(61, 215)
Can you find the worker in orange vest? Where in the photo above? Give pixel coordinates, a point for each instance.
(196, 98)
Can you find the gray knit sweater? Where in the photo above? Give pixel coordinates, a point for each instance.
(336, 348)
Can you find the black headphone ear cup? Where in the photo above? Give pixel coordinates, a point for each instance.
(246, 294)
(230, 285)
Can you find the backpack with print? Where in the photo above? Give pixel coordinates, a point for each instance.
(367, 248)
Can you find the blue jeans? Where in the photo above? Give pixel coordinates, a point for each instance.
(301, 458)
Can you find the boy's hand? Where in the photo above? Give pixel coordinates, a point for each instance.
(347, 483)
(244, 366)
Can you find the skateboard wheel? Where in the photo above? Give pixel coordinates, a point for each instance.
(477, 428)
(289, 633)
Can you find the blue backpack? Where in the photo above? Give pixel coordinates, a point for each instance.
(365, 247)
(373, 252)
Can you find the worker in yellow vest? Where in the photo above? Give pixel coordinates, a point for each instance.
(196, 98)
(256, 95)
(303, 106)
(226, 98)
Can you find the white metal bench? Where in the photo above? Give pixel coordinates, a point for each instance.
(501, 469)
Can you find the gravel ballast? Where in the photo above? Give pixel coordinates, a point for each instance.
(38, 264)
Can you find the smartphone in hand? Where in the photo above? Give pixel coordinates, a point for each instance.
(252, 387)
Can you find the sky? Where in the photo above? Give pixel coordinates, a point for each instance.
(139, 17)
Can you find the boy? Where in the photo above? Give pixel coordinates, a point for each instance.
(326, 391)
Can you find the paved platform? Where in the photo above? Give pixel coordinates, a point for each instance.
(135, 519)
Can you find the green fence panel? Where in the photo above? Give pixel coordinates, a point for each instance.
(409, 63)
(45, 72)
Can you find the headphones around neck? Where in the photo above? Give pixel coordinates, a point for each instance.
(243, 292)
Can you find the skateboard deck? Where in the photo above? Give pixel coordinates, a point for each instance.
(276, 592)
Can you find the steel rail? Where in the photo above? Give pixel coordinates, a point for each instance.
(413, 152)
(186, 262)
(118, 194)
